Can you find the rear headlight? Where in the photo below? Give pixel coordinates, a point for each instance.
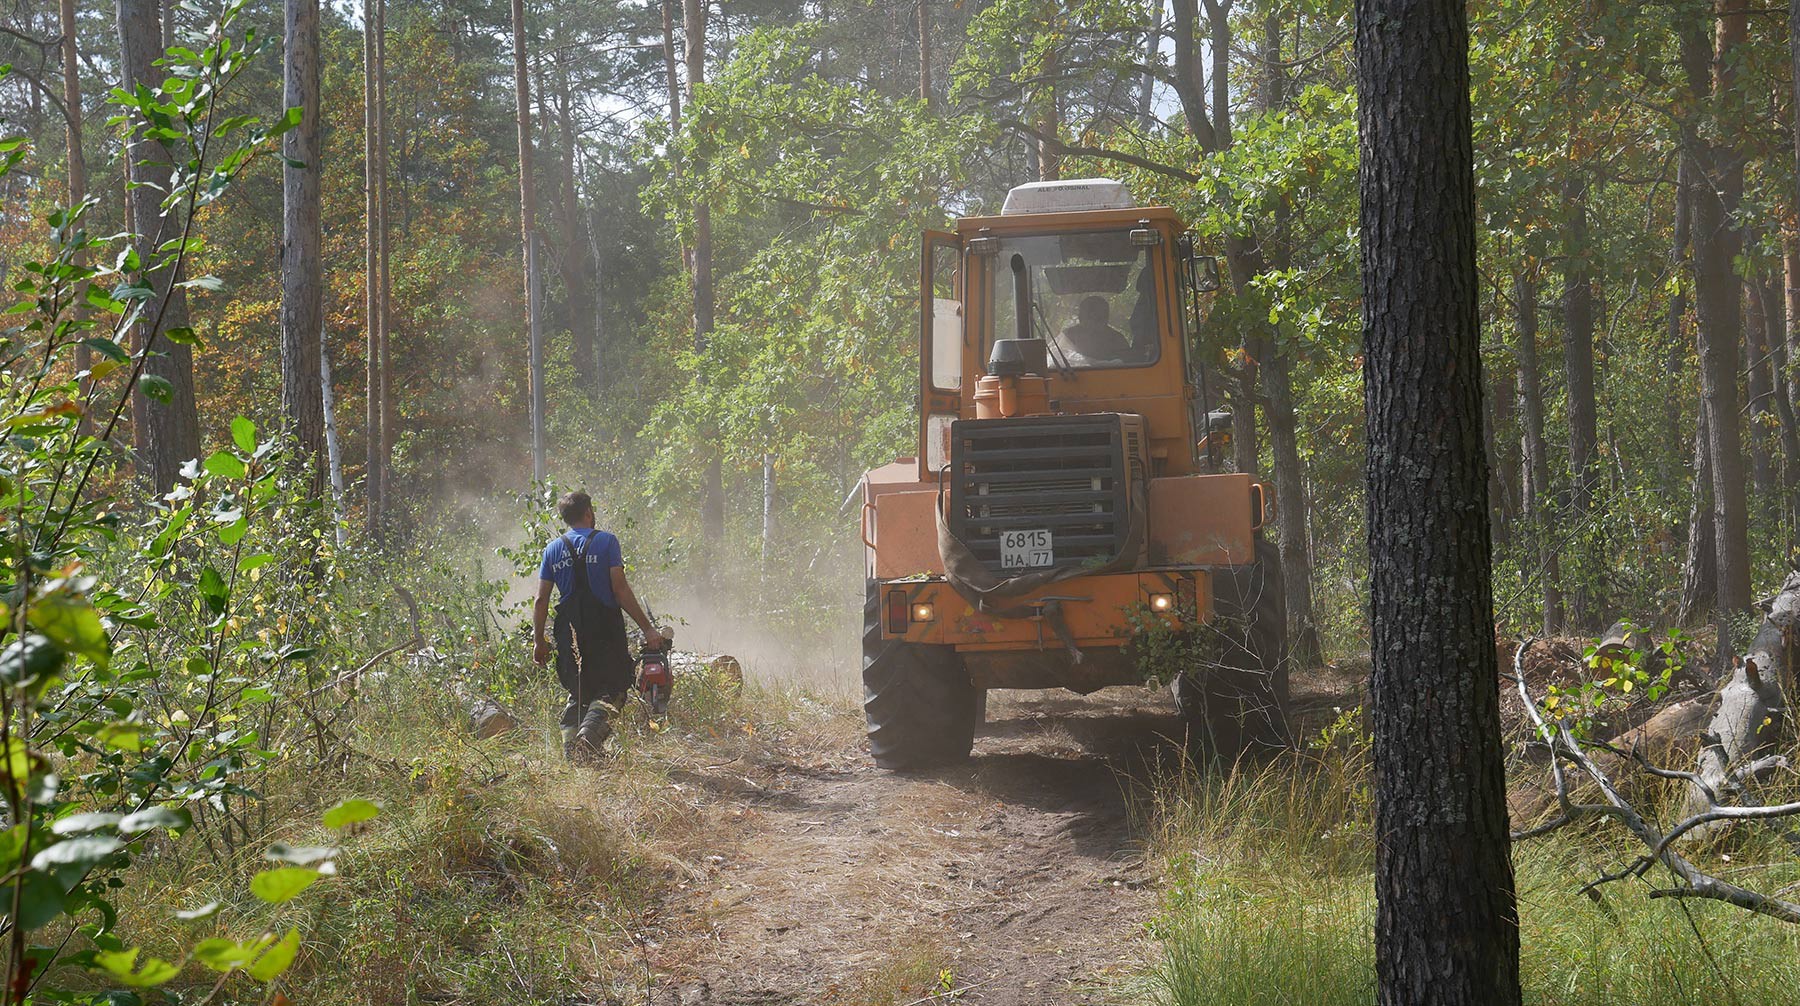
(923, 612)
(1162, 602)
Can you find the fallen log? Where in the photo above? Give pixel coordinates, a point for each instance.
(1566, 749)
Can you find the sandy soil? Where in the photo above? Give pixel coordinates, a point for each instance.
(1017, 878)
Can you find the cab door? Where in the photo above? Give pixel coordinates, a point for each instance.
(941, 341)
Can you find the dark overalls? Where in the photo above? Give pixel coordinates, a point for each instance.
(593, 654)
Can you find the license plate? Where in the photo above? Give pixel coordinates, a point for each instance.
(1026, 549)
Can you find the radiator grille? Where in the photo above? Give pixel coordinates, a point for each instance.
(1066, 474)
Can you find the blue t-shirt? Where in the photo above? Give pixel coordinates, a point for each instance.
(600, 549)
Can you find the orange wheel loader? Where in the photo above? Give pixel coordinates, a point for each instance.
(1067, 491)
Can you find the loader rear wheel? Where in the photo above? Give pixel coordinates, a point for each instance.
(921, 707)
(1240, 703)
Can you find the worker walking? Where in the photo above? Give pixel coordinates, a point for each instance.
(593, 656)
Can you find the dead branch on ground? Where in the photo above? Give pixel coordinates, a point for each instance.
(1659, 845)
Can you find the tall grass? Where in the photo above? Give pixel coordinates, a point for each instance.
(1271, 903)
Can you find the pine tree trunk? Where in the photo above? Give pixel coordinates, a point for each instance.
(1719, 177)
(1586, 586)
(1789, 380)
(302, 262)
(1218, 16)
(1774, 333)
(1674, 427)
(1190, 77)
(390, 415)
(1446, 926)
(528, 238)
(694, 15)
(1152, 56)
(1759, 384)
(578, 274)
(1049, 115)
(1291, 503)
(167, 434)
(71, 71)
(372, 306)
(1534, 451)
(923, 15)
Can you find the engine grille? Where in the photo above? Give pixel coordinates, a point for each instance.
(1064, 473)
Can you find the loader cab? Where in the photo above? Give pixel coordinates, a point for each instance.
(1100, 284)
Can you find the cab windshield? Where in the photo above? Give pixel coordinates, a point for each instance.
(1091, 296)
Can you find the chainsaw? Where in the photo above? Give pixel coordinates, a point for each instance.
(656, 676)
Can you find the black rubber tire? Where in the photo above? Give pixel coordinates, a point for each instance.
(921, 707)
(1241, 704)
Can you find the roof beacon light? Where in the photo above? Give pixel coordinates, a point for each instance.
(1080, 195)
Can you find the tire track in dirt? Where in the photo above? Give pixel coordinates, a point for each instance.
(1017, 875)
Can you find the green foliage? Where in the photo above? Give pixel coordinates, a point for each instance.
(1163, 648)
(135, 710)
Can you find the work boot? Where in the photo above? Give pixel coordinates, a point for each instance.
(590, 737)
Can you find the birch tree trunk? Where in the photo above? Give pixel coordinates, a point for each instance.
(334, 458)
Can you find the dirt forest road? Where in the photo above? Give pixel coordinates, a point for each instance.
(1016, 878)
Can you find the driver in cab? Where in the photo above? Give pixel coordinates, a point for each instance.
(1092, 338)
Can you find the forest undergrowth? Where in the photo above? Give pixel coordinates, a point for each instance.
(1269, 898)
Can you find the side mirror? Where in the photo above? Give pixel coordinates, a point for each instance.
(1206, 273)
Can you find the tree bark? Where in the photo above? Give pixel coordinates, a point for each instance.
(333, 455)
(1674, 427)
(1190, 77)
(1049, 115)
(1218, 17)
(71, 71)
(1774, 317)
(1790, 246)
(1291, 504)
(1719, 179)
(1583, 412)
(578, 275)
(1700, 564)
(1534, 450)
(1760, 385)
(372, 304)
(924, 17)
(712, 505)
(1786, 375)
(167, 434)
(302, 261)
(1446, 927)
(1152, 55)
(390, 415)
(528, 238)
